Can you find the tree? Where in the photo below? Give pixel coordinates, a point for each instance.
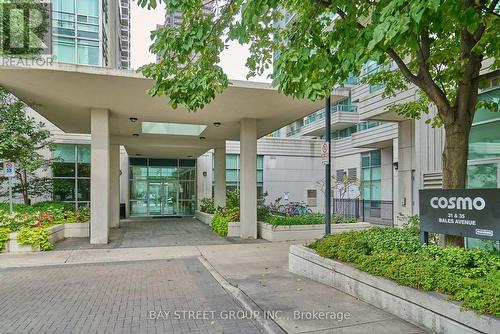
(444, 48)
(23, 140)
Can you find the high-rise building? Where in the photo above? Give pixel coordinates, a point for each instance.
(175, 19)
(91, 32)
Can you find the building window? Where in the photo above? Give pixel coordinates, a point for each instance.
(312, 197)
(71, 174)
(371, 183)
(372, 67)
(340, 173)
(484, 154)
(233, 173)
(75, 31)
(352, 173)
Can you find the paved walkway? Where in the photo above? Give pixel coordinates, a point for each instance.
(154, 232)
(105, 287)
(124, 297)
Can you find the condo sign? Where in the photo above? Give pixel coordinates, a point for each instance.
(463, 212)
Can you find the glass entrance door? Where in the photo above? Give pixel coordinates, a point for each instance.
(162, 198)
(170, 205)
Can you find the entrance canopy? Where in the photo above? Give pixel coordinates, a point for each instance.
(65, 95)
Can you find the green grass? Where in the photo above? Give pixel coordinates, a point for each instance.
(471, 277)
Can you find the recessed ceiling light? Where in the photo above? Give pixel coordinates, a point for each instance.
(217, 124)
(135, 135)
(133, 119)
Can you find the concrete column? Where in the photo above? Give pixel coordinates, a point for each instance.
(100, 180)
(220, 177)
(114, 194)
(248, 178)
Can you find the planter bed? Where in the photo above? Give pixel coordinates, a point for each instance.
(56, 233)
(429, 310)
(205, 218)
(303, 232)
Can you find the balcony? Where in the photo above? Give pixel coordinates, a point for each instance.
(379, 136)
(343, 116)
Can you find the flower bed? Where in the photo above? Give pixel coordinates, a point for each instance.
(471, 277)
(29, 225)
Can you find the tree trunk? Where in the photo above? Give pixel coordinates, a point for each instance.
(455, 154)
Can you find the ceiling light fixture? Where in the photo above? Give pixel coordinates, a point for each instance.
(202, 138)
(217, 124)
(133, 119)
(135, 135)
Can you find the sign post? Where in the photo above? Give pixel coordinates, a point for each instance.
(327, 160)
(471, 213)
(9, 170)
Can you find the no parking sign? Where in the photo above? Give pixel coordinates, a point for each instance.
(325, 152)
(9, 170)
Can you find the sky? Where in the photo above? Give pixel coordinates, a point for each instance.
(143, 21)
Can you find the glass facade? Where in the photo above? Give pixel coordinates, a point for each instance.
(371, 176)
(160, 187)
(233, 173)
(484, 153)
(76, 31)
(71, 174)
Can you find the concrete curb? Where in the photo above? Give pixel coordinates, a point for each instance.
(428, 310)
(267, 325)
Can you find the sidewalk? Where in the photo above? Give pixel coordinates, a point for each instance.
(297, 305)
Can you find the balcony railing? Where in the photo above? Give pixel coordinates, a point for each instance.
(318, 115)
(336, 108)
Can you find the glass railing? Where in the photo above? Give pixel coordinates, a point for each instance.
(336, 108)
(319, 115)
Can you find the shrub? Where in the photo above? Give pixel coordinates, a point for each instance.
(35, 237)
(470, 276)
(263, 213)
(4, 237)
(232, 199)
(222, 218)
(340, 219)
(309, 219)
(207, 205)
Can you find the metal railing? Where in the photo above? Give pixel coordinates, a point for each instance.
(375, 212)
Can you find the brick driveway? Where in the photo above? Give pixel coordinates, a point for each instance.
(117, 298)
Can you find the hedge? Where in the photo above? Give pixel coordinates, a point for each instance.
(469, 276)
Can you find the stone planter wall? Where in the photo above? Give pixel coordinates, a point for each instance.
(431, 311)
(205, 218)
(56, 233)
(233, 230)
(303, 232)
